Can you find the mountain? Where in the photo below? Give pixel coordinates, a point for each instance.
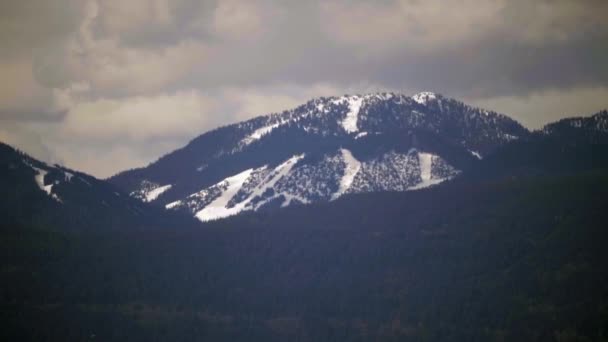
(587, 129)
(565, 147)
(321, 150)
(53, 196)
(513, 249)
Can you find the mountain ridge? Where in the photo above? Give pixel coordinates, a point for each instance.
(57, 197)
(316, 152)
(383, 136)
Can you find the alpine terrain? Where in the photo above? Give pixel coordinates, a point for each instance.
(321, 150)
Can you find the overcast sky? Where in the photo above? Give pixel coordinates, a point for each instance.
(106, 85)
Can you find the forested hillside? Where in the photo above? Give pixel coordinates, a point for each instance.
(510, 260)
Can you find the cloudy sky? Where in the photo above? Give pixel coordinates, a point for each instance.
(106, 85)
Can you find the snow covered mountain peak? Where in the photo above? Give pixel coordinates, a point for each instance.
(320, 151)
(424, 97)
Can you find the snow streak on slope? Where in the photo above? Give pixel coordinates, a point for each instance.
(224, 206)
(426, 167)
(39, 178)
(278, 173)
(259, 133)
(351, 169)
(68, 176)
(174, 204)
(53, 175)
(150, 191)
(361, 135)
(350, 121)
(152, 195)
(217, 209)
(321, 178)
(426, 160)
(476, 154)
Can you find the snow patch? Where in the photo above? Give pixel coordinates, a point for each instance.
(39, 178)
(384, 96)
(476, 154)
(289, 198)
(426, 162)
(427, 184)
(361, 135)
(40, 174)
(173, 204)
(350, 121)
(278, 173)
(153, 194)
(259, 133)
(68, 176)
(424, 97)
(350, 171)
(217, 208)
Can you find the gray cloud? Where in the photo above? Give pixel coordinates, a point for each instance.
(82, 77)
(27, 27)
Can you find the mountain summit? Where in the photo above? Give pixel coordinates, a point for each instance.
(321, 150)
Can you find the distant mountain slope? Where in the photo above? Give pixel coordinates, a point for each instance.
(590, 129)
(322, 150)
(56, 197)
(565, 147)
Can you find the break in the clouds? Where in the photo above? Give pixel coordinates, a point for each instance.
(104, 85)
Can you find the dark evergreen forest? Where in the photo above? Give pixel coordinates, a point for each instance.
(515, 259)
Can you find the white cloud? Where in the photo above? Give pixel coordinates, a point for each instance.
(110, 67)
(118, 18)
(238, 20)
(104, 136)
(245, 103)
(139, 118)
(22, 97)
(420, 25)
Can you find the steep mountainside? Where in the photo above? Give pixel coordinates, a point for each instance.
(56, 197)
(321, 150)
